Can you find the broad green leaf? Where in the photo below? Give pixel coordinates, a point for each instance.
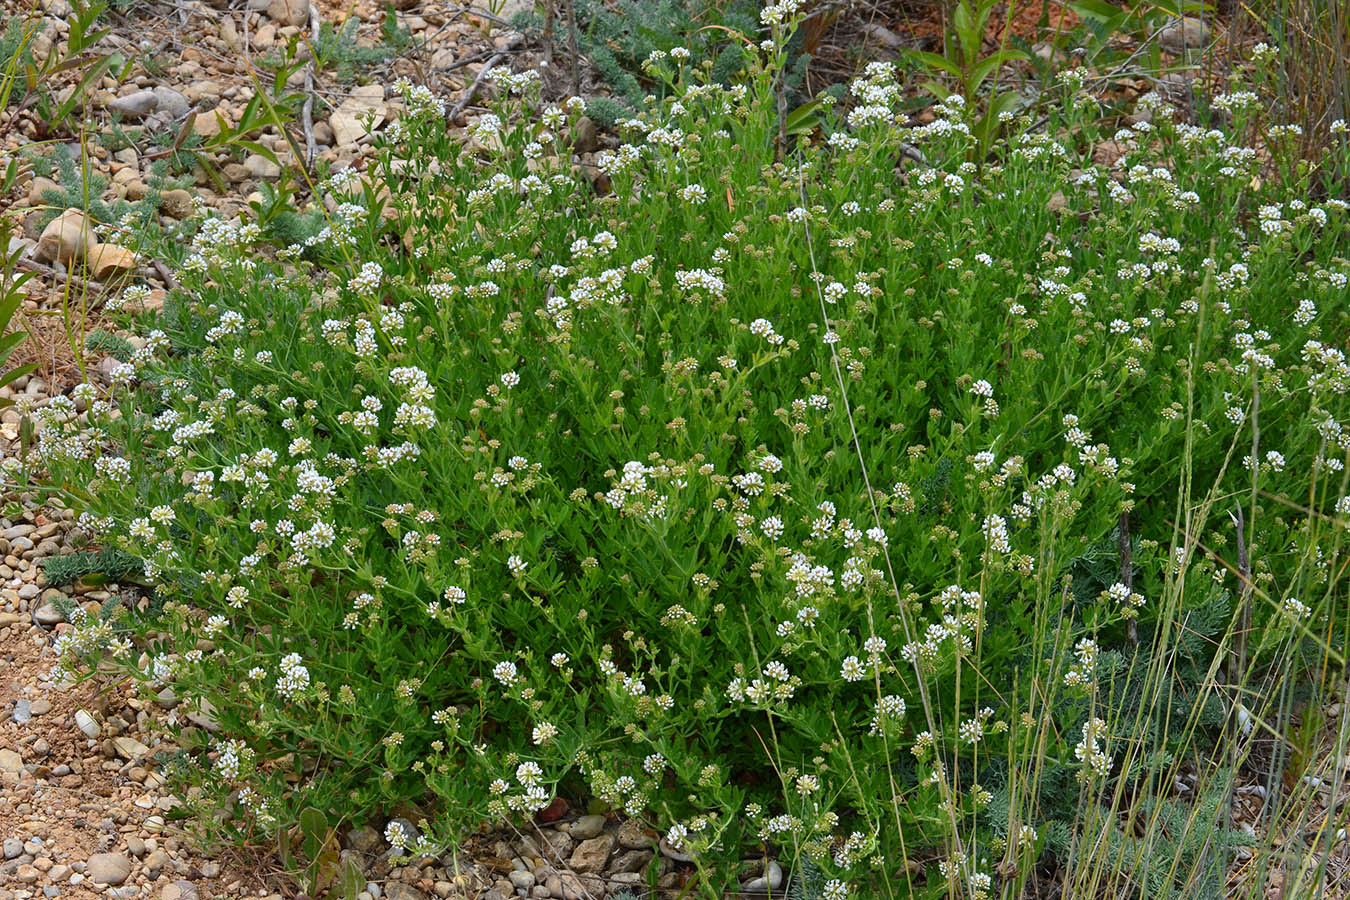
(934, 61)
(1099, 10)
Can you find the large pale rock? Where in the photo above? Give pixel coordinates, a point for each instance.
(632, 836)
(170, 104)
(136, 105)
(260, 166)
(67, 237)
(349, 121)
(1184, 34)
(109, 261)
(364, 840)
(108, 868)
(38, 187)
(177, 203)
(207, 124)
(130, 748)
(11, 762)
(289, 12)
(587, 827)
(591, 855)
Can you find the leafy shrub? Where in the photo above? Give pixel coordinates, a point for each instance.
(768, 502)
(114, 345)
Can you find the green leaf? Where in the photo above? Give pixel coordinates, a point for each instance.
(265, 152)
(8, 307)
(992, 63)
(936, 89)
(313, 822)
(21, 371)
(934, 61)
(804, 119)
(284, 850)
(1100, 11)
(353, 880)
(9, 342)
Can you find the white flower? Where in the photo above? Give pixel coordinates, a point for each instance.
(505, 672)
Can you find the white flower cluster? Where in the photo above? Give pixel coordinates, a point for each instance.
(294, 678)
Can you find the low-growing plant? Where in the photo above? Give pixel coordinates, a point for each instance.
(768, 502)
(108, 564)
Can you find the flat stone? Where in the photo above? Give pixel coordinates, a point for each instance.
(23, 711)
(364, 840)
(108, 868)
(634, 836)
(171, 104)
(47, 615)
(882, 36)
(11, 761)
(204, 716)
(13, 848)
(364, 106)
(289, 12)
(587, 827)
(260, 166)
(130, 748)
(397, 890)
(207, 124)
(590, 856)
(631, 861)
(585, 136)
(180, 890)
(135, 106)
(41, 707)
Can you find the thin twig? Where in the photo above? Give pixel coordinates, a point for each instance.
(572, 47)
(166, 275)
(478, 82)
(548, 32)
(780, 98)
(38, 268)
(1127, 571)
(307, 111)
(480, 13)
(466, 61)
(1237, 658)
